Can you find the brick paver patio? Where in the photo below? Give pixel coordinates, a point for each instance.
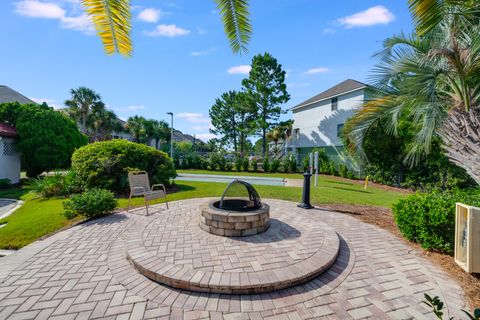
(83, 272)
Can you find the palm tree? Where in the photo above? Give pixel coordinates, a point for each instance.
(136, 126)
(433, 80)
(81, 105)
(275, 135)
(104, 123)
(112, 20)
(160, 132)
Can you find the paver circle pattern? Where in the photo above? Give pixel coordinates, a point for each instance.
(175, 251)
(83, 273)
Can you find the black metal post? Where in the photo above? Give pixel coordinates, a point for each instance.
(306, 192)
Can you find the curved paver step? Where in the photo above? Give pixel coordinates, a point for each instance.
(322, 254)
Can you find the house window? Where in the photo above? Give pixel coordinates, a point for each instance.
(8, 149)
(297, 133)
(334, 104)
(339, 129)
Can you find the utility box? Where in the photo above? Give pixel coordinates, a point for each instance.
(467, 237)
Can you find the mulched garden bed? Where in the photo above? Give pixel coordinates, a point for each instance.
(383, 218)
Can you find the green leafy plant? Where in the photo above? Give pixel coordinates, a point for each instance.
(437, 308)
(238, 164)
(58, 185)
(229, 166)
(4, 182)
(245, 164)
(106, 164)
(275, 165)
(255, 165)
(90, 204)
(429, 218)
(266, 164)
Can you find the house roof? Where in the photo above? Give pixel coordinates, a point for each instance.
(7, 130)
(7, 94)
(341, 88)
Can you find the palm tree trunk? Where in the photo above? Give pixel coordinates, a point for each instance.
(460, 133)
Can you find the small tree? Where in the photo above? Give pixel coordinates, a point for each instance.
(47, 137)
(267, 89)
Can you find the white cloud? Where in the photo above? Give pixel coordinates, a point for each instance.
(130, 108)
(167, 30)
(203, 52)
(51, 10)
(205, 136)
(37, 9)
(201, 128)
(317, 70)
(80, 23)
(371, 16)
(193, 117)
(328, 31)
(243, 69)
(201, 31)
(51, 102)
(150, 15)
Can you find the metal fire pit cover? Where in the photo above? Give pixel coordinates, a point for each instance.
(239, 196)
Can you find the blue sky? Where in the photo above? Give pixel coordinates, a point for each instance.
(182, 61)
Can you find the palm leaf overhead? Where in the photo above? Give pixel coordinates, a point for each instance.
(236, 21)
(429, 13)
(112, 20)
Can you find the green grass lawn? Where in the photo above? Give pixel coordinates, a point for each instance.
(40, 217)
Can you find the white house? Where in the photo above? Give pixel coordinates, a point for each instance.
(318, 121)
(9, 157)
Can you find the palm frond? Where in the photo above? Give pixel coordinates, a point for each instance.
(112, 20)
(236, 20)
(427, 14)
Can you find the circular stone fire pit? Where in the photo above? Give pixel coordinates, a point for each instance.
(234, 215)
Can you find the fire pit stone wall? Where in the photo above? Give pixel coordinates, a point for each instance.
(234, 223)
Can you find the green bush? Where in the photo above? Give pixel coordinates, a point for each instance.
(255, 165)
(106, 164)
(275, 165)
(429, 218)
(229, 166)
(266, 165)
(5, 182)
(90, 204)
(238, 164)
(245, 164)
(47, 137)
(58, 185)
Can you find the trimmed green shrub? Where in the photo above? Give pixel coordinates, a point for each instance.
(275, 165)
(238, 164)
(266, 165)
(106, 164)
(429, 218)
(5, 182)
(245, 164)
(90, 204)
(255, 165)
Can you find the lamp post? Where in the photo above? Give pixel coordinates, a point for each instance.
(171, 135)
